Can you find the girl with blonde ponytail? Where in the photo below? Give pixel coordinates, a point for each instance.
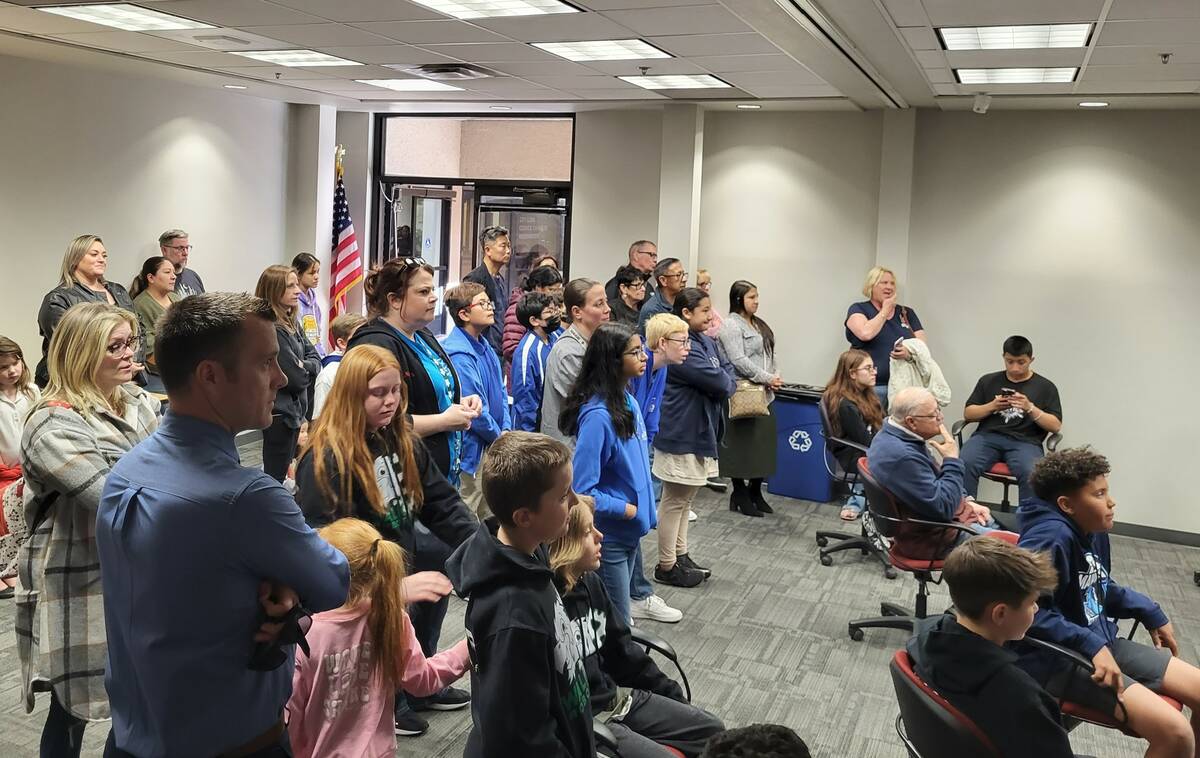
(343, 692)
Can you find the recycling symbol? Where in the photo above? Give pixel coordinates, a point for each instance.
(800, 440)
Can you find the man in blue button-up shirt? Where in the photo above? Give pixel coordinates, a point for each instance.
(190, 541)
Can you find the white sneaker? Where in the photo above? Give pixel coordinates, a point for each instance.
(655, 609)
(692, 515)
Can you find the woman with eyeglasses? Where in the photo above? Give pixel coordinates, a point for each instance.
(298, 360)
(611, 460)
(586, 307)
(855, 414)
(631, 293)
(89, 416)
(81, 281)
(748, 449)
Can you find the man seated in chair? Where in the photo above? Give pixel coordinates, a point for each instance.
(900, 460)
(1016, 409)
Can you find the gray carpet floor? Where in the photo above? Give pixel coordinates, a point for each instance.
(764, 640)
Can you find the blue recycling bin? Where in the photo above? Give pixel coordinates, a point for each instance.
(799, 448)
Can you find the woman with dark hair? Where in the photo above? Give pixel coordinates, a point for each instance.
(586, 308)
(685, 448)
(312, 321)
(748, 449)
(153, 291)
(855, 414)
(611, 461)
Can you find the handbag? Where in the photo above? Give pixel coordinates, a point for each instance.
(748, 400)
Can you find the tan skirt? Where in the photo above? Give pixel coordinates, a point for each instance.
(688, 469)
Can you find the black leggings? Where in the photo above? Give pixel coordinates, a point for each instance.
(279, 448)
(62, 736)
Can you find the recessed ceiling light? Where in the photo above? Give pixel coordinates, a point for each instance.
(234, 86)
(1093, 104)
(297, 58)
(1015, 37)
(675, 81)
(501, 108)
(1015, 75)
(603, 50)
(496, 8)
(131, 18)
(410, 85)
(748, 107)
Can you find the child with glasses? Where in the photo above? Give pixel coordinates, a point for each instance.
(479, 371)
(855, 415)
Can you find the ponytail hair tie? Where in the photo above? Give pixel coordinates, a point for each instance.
(375, 547)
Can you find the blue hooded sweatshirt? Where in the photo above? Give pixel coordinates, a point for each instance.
(615, 472)
(647, 389)
(479, 374)
(1077, 614)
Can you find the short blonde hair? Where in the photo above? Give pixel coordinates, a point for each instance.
(76, 351)
(566, 551)
(75, 252)
(661, 326)
(873, 277)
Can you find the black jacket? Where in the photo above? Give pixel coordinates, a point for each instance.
(613, 291)
(611, 659)
(300, 363)
(422, 401)
(495, 333)
(529, 690)
(55, 304)
(443, 512)
(853, 428)
(622, 313)
(981, 679)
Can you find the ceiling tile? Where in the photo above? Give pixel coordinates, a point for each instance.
(557, 27)
(920, 38)
(731, 93)
(206, 59)
(700, 19)
(322, 35)
(267, 73)
(384, 54)
(432, 32)
(223, 40)
(125, 42)
(617, 5)
(235, 12)
(1116, 88)
(989, 13)
(906, 12)
(363, 10)
(657, 66)
(947, 89)
(687, 45)
(619, 94)
(1154, 72)
(37, 22)
(800, 90)
(578, 83)
(751, 80)
(719, 64)
(539, 68)
(493, 52)
(939, 75)
(1142, 54)
(507, 86)
(1142, 9)
(1157, 32)
(930, 58)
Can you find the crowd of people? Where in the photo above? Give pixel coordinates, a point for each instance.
(519, 461)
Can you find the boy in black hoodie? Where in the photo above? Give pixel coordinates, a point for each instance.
(1070, 518)
(528, 685)
(995, 586)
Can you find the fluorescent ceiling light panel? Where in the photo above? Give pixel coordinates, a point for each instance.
(410, 85)
(1093, 104)
(297, 58)
(1015, 37)
(676, 81)
(603, 50)
(1015, 75)
(131, 18)
(496, 8)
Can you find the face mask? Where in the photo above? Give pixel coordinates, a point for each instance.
(553, 323)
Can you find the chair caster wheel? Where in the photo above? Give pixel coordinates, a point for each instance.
(1196, 577)
(822, 542)
(856, 634)
(826, 560)
(890, 573)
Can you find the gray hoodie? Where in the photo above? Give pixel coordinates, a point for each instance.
(562, 368)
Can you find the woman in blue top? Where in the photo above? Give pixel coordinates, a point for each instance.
(685, 448)
(879, 323)
(611, 456)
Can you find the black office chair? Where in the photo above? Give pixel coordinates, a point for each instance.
(1000, 472)
(868, 541)
(606, 741)
(928, 725)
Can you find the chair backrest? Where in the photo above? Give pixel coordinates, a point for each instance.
(832, 465)
(884, 510)
(934, 727)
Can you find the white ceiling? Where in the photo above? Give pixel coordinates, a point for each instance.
(829, 53)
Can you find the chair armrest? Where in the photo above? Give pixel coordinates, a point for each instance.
(842, 441)
(940, 524)
(604, 736)
(654, 642)
(957, 429)
(1053, 441)
(1062, 652)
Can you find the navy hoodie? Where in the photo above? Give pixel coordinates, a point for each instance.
(1077, 615)
(980, 679)
(614, 471)
(692, 420)
(529, 689)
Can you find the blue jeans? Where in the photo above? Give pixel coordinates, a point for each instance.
(856, 501)
(655, 482)
(617, 564)
(640, 587)
(985, 449)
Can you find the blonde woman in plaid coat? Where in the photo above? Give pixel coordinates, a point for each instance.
(90, 415)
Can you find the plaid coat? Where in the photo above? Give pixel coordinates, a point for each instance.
(66, 457)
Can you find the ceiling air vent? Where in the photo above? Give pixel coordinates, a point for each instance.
(220, 40)
(446, 72)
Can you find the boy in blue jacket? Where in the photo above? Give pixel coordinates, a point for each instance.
(1069, 518)
(538, 313)
(479, 372)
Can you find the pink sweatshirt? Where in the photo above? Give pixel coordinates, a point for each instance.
(339, 708)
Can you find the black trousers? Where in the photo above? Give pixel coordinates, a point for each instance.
(279, 447)
(282, 749)
(62, 736)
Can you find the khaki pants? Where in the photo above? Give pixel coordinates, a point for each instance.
(673, 522)
(472, 495)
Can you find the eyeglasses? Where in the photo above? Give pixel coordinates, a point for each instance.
(871, 369)
(682, 274)
(935, 414)
(637, 352)
(183, 248)
(117, 349)
(636, 285)
(677, 340)
(487, 305)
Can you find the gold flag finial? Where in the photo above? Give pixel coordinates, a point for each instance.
(339, 153)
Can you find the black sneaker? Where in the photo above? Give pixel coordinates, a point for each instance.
(449, 699)
(716, 485)
(685, 560)
(409, 724)
(678, 576)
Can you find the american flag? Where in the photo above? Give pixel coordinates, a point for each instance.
(347, 263)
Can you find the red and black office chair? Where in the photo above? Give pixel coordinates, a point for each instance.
(606, 741)
(890, 517)
(928, 724)
(999, 472)
(863, 541)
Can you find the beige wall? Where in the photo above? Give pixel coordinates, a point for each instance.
(1080, 231)
(126, 158)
